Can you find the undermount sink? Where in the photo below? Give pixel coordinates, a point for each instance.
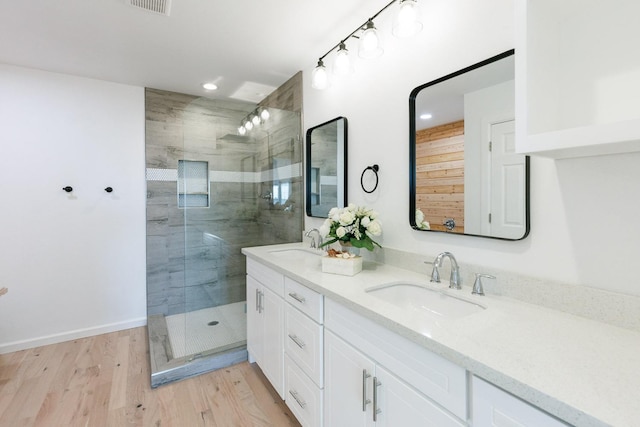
(431, 303)
(297, 253)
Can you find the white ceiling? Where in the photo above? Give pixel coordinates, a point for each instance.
(230, 42)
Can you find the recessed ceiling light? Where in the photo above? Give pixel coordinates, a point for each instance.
(210, 86)
(425, 116)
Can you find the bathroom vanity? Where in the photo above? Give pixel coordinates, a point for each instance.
(362, 350)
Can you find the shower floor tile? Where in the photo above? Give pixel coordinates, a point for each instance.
(190, 333)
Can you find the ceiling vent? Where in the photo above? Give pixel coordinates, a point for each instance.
(162, 7)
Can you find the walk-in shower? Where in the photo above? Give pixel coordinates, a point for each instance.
(210, 192)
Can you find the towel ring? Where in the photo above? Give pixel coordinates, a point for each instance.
(375, 169)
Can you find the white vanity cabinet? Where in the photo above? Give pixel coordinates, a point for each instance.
(375, 377)
(265, 322)
(496, 408)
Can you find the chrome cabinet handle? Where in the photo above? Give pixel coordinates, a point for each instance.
(297, 297)
(376, 410)
(257, 300)
(297, 398)
(260, 301)
(365, 401)
(297, 340)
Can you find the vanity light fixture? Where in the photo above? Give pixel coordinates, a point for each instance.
(406, 23)
(253, 120)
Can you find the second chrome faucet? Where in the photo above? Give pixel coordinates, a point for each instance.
(454, 279)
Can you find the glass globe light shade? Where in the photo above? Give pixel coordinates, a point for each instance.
(264, 114)
(370, 43)
(320, 77)
(406, 22)
(342, 62)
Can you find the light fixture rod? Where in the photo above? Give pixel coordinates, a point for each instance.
(357, 29)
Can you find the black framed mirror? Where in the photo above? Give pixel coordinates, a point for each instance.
(326, 167)
(465, 176)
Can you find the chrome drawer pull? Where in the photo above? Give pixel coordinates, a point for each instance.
(376, 410)
(297, 340)
(365, 401)
(297, 297)
(297, 398)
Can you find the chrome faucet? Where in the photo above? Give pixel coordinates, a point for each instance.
(314, 244)
(454, 279)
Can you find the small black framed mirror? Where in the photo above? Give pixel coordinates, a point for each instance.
(326, 167)
(464, 174)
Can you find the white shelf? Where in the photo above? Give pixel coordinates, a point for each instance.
(595, 140)
(577, 78)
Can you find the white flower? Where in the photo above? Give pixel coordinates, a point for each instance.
(365, 221)
(420, 222)
(340, 232)
(374, 228)
(352, 207)
(347, 217)
(373, 215)
(333, 212)
(325, 228)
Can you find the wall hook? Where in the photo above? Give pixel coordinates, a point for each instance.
(68, 189)
(108, 189)
(375, 169)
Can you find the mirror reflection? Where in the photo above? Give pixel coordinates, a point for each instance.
(326, 167)
(465, 176)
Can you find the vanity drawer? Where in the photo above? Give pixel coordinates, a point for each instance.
(303, 397)
(267, 276)
(304, 299)
(304, 344)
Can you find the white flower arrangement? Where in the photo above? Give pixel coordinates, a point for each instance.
(420, 222)
(353, 224)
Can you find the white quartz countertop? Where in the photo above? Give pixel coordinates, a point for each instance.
(582, 371)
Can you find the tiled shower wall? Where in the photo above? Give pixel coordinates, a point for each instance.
(193, 255)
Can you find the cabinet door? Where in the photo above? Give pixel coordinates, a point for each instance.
(254, 324)
(400, 405)
(495, 407)
(348, 379)
(272, 339)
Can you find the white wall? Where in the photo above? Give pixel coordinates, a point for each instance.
(74, 263)
(584, 227)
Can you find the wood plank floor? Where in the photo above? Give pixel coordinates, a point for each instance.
(104, 381)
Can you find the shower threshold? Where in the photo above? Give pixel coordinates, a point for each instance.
(189, 344)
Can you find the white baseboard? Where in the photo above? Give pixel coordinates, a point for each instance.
(71, 335)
